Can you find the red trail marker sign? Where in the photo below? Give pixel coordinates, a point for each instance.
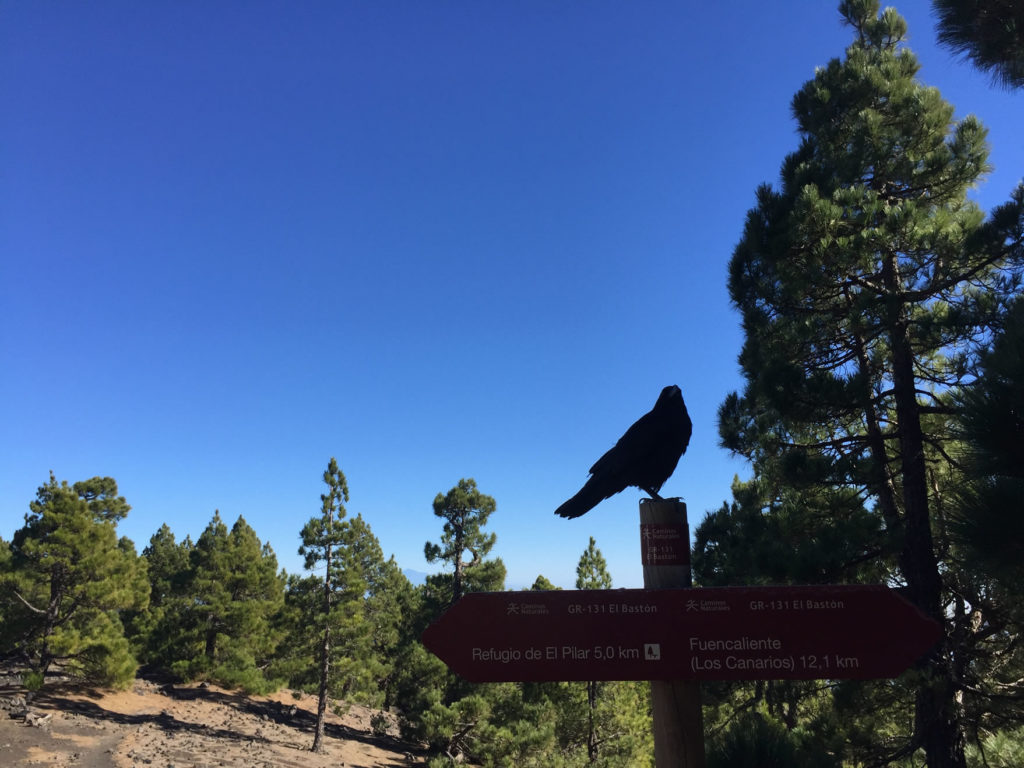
(725, 633)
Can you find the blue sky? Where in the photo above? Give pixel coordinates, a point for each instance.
(432, 239)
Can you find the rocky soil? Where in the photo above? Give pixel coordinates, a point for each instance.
(184, 726)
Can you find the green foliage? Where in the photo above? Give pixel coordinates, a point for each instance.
(322, 534)
(465, 511)
(296, 660)
(867, 281)
(100, 494)
(66, 577)
(359, 605)
(516, 732)
(161, 633)
(989, 524)
(387, 600)
(754, 741)
(336, 617)
(236, 667)
(794, 536)
(351, 620)
(5, 568)
(33, 680)
(592, 570)
(542, 584)
(454, 729)
(379, 724)
(215, 606)
(437, 707)
(168, 565)
(987, 528)
(418, 685)
(538, 725)
(988, 32)
(235, 591)
(104, 655)
(998, 750)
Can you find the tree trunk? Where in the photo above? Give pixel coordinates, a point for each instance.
(459, 575)
(210, 651)
(937, 724)
(321, 704)
(457, 580)
(325, 647)
(52, 614)
(591, 730)
(879, 474)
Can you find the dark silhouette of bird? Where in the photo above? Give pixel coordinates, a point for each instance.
(645, 457)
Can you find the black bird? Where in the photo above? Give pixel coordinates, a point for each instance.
(645, 457)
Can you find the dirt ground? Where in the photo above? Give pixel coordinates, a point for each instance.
(189, 726)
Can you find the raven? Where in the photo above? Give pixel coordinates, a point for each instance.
(645, 457)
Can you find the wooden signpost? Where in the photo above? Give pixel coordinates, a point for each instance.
(677, 720)
(674, 636)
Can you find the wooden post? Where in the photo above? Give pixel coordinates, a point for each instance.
(675, 704)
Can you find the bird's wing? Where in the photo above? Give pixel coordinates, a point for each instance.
(687, 429)
(631, 446)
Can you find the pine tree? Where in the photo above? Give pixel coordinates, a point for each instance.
(592, 569)
(218, 620)
(375, 589)
(256, 595)
(342, 589)
(160, 631)
(451, 715)
(386, 606)
(210, 569)
(542, 584)
(67, 578)
(866, 283)
(168, 565)
(465, 511)
(592, 573)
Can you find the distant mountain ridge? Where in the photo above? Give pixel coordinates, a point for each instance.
(416, 577)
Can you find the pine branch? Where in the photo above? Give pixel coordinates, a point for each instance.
(954, 280)
(29, 605)
(1016, 695)
(835, 444)
(938, 446)
(863, 282)
(903, 752)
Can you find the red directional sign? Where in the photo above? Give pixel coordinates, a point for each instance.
(727, 633)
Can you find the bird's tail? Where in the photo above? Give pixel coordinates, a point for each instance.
(584, 501)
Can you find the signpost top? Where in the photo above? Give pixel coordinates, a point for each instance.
(725, 633)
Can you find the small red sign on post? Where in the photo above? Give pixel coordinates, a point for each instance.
(731, 633)
(664, 544)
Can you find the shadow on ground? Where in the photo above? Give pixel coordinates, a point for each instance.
(85, 702)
